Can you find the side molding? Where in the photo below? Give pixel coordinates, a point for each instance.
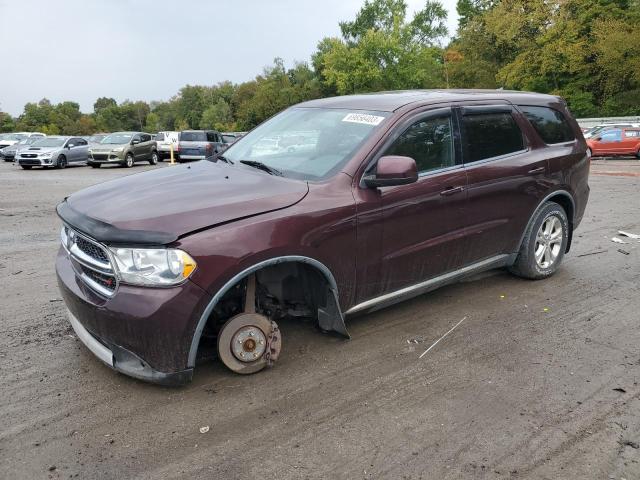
(193, 351)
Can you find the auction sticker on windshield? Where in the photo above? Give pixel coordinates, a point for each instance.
(363, 118)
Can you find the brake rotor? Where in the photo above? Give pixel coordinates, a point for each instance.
(249, 342)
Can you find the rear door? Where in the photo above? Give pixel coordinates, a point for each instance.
(506, 180)
(81, 150)
(137, 148)
(630, 140)
(146, 144)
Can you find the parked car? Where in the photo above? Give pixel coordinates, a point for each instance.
(9, 153)
(53, 151)
(9, 139)
(597, 130)
(402, 193)
(615, 142)
(199, 144)
(124, 148)
(164, 141)
(231, 137)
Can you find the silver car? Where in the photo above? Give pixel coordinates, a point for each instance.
(199, 144)
(8, 154)
(55, 152)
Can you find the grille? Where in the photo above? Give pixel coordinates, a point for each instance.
(100, 156)
(102, 279)
(91, 249)
(29, 161)
(29, 155)
(91, 262)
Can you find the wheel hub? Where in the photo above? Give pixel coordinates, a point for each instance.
(248, 344)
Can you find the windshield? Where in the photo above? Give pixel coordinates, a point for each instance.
(96, 138)
(307, 143)
(193, 137)
(50, 142)
(117, 138)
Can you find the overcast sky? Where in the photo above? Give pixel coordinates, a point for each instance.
(148, 49)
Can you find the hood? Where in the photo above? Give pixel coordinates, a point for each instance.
(160, 206)
(40, 149)
(107, 147)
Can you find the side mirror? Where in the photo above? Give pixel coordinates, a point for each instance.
(69, 145)
(393, 170)
(135, 142)
(598, 139)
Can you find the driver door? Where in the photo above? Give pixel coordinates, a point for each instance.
(423, 223)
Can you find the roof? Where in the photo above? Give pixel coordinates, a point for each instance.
(391, 101)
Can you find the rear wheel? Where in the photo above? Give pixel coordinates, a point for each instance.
(154, 158)
(26, 167)
(128, 161)
(61, 162)
(544, 243)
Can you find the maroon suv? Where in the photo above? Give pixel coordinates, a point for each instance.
(372, 199)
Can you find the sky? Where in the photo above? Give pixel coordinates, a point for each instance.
(80, 50)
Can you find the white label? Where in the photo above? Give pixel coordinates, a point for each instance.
(363, 118)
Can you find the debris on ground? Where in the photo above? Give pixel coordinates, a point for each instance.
(617, 240)
(620, 389)
(437, 341)
(591, 253)
(635, 236)
(629, 443)
(623, 251)
(204, 429)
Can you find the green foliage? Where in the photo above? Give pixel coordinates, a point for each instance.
(382, 50)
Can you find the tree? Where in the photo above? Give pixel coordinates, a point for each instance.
(218, 116)
(7, 123)
(382, 50)
(104, 102)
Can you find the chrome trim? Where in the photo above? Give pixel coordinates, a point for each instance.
(88, 261)
(98, 349)
(193, 350)
(431, 284)
(91, 263)
(96, 286)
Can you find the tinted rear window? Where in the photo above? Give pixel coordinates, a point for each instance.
(490, 135)
(550, 124)
(160, 137)
(193, 137)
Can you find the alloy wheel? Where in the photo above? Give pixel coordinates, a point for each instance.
(548, 242)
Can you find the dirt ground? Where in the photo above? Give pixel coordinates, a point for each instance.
(540, 381)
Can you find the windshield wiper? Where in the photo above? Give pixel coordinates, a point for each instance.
(223, 158)
(262, 166)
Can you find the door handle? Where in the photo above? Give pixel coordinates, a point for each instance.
(451, 191)
(535, 171)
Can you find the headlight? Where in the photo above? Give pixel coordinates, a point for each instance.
(45, 154)
(161, 266)
(118, 150)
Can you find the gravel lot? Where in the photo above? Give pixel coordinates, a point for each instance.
(540, 381)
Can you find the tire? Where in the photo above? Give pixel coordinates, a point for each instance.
(638, 154)
(128, 161)
(543, 248)
(154, 158)
(26, 167)
(61, 162)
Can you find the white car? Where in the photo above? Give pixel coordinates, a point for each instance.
(8, 139)
(164, 140)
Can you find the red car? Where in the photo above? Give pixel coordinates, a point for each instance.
(614, 142)
(387, 196)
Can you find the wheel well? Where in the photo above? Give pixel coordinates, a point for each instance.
(567, 204)
(302, 288)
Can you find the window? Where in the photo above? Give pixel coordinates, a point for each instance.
(429, 142)
(488, 135)
(550, 124)
(80, 141)
(212, 137)
(632, 133)
(160, 137)
(611, 136)
(145, 137)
